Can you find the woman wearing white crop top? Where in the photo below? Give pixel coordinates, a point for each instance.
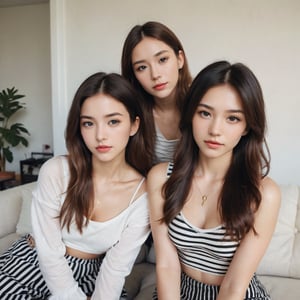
(214, 216)
(153, 60)
(89, 210)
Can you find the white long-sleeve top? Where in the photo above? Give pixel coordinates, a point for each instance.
(120, 238)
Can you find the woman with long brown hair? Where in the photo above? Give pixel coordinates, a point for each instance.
(213, 211)
(154, 62)
(89, 211)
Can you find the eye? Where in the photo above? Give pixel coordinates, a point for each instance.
(140, 68)
(87, 124)
(163, 59)
(233, 119)
(203, 113)
(113, 122)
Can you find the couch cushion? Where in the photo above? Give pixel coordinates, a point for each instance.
(6, 242)
(24, 222)
(280, 255)
(281, 287)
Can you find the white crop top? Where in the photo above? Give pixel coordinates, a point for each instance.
(120, 237)
(109, 232)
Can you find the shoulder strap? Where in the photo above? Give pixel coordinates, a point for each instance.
(170, 169)
(136, 190)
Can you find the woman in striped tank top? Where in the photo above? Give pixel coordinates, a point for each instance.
(153, 60)
(214, 216)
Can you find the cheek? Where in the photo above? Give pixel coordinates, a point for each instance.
(140, 77)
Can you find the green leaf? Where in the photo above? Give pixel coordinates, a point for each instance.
(8, 154)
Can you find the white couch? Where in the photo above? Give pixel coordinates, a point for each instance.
(279, 269)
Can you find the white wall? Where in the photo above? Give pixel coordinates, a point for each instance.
(87, 36)
(25, 64)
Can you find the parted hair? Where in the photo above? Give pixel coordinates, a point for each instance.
(162, 33)
(240, 195)
(77, 204)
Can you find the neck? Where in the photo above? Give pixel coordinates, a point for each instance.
(213, 169)
(110, 171)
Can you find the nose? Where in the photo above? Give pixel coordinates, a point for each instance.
(215, 127)
(155, 74)
(100, 133)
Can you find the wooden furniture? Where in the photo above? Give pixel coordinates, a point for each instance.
(29, 168)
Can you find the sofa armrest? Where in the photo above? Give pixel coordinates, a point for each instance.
(10, 207)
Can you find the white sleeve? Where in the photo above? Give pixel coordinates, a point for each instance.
(45, 209)
(119, 260)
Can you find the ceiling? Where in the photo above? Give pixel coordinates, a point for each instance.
(7, 3)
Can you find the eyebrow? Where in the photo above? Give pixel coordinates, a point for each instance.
(229, 110)
(155, 55)
(106, 116)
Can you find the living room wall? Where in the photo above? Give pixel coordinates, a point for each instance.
(25, 64)
(87, 36)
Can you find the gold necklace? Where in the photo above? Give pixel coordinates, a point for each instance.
(204, 197)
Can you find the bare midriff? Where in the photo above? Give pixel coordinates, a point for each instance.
(203, 277)
(81, 254)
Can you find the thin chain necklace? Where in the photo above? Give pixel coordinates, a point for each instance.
(204, 197)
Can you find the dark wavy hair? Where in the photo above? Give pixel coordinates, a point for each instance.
(80, 186)
(162, 33)
(240, 195)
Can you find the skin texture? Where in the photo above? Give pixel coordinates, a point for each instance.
(218, 125)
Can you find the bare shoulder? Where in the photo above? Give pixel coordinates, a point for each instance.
(158, 174)
(270, 191)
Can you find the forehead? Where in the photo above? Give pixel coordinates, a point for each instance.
(149, 47)
(222, 97)
(102, 104)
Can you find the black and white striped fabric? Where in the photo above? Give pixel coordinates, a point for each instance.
(164, 149)
(192, 289)
(21, 278)
(207, 250)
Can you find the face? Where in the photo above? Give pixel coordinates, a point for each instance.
(106, 127)
(156, 67)
(219, 122)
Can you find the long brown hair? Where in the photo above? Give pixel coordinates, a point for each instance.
(240, 195)
(80, 188)
(162, 33)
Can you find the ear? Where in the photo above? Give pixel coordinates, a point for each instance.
(135, 126)
(180, 59)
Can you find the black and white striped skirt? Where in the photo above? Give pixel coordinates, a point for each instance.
(192, 289)
(21, 278)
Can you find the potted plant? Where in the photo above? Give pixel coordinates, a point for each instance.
(11, 134)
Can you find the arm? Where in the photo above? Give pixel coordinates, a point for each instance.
(168, 268)
(47, 232)
(252, 247)
(120, 258)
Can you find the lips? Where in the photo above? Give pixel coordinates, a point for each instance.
(213, 144)
(160, 86)
(103, 148)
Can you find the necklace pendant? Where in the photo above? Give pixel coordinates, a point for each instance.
(204, 198)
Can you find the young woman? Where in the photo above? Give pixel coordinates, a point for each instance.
(214, 216)
(89, 211)
(153, 60)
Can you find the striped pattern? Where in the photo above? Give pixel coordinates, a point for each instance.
(207, 250)
(164, 149)
(21, 278)
(192, 289)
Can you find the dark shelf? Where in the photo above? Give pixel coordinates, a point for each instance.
(29, 168)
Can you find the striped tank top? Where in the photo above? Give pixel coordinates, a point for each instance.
(208, 250)
(164, 149)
